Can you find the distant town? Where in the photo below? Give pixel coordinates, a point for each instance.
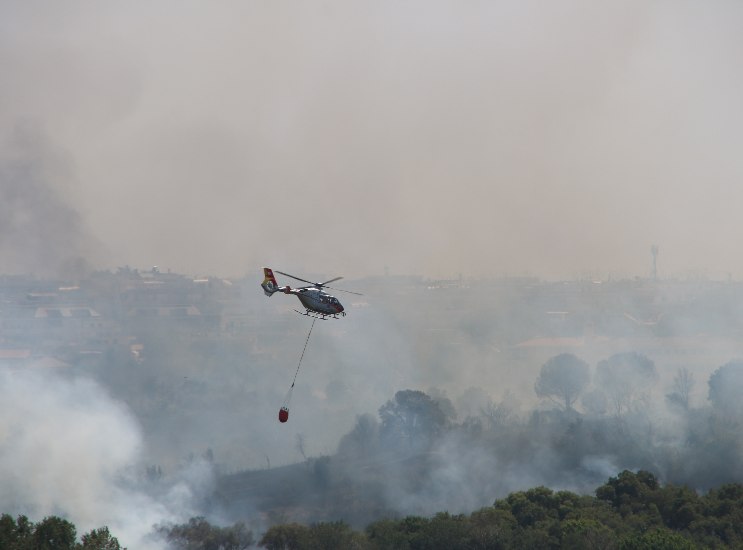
(58, 324)
(51, 323)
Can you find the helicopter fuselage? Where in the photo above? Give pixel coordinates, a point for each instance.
(314, 299)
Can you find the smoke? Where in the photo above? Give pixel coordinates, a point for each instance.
(476, 348)
(493, 138)
(41, 231)
(487, 139)
(68, 449)
(468, 464)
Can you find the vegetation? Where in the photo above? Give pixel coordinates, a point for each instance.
(413, 417)
(393, 474)
(419, 456)
(632, 511)
(626, 379)
(563, 378)
(52, 533)
(724, 385)
(199, 534)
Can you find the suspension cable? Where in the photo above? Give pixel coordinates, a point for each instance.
(303, 350)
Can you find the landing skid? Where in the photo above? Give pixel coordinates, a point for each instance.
(315, 315)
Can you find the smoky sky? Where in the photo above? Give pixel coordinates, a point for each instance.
(438, 138)
(41, 231)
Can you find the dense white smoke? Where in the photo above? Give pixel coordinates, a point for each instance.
(68, 449)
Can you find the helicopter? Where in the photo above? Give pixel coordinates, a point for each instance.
(317, 303)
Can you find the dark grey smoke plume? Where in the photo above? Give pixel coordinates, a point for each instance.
(41, 231)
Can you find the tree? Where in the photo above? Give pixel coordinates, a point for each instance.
(445, 532)
(413, 415)
(594, 402)
(53, 533)
(100, 539)
(661, 539)
(286, 537)
(722, 508)
(492, 528)
(631, 492)
(585, 533)
(725, 387)
(335, 535)
(562, 379)
(362, 440)
(12, 534)
(499, 414)
(399, 534)
(444, 403)
(632, 511)
(472, 401)
(388, 533)
(625, 378)
(199, 534)
(683, 383)
(532, 506)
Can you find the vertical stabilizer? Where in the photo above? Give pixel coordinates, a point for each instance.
(269, 282)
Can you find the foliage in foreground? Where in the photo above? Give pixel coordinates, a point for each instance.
(630, 512)
(52, 533)
(199, 534)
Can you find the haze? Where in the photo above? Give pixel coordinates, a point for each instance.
(427, 140)
(437, 138)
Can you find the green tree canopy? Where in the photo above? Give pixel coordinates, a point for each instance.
(660, 539)
(54, 533)
(99, 539)
(199, 534)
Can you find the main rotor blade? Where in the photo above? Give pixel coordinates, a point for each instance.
(293, 277)
(319, 285)
(346, 291)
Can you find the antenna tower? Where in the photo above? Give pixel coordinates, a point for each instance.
(654, 251)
